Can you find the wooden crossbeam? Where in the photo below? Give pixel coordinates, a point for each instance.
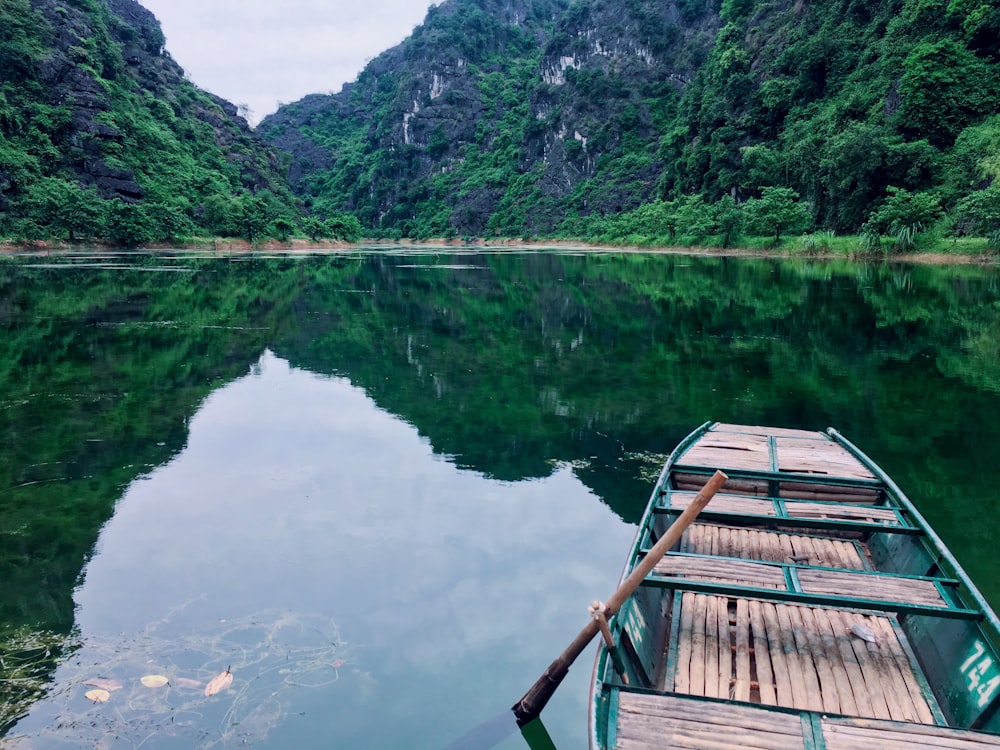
(803, 597)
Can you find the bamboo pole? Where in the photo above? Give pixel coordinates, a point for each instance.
(532, 702)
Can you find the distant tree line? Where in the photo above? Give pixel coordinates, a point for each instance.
(54, 208)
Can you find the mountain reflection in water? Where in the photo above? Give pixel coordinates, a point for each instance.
(442, 457)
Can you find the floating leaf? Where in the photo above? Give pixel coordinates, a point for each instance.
(184, 682)
(154, 680)
(97, 695)
(219, 683)
(863, 632)
(103, 683)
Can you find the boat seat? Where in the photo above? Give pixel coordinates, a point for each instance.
(777, 511)
(849, 734)
(652, 722)
(806, 584)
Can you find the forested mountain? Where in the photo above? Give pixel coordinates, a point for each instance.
(581, 118)
(556, 117)
(101, 136)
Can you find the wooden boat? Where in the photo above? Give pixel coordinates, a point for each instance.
(808, 606)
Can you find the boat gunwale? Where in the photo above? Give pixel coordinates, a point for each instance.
(600, 660)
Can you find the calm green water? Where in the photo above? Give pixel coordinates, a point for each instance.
(384, 489)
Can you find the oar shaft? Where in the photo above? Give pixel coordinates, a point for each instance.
(533, 701)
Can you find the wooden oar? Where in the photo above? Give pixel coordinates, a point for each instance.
(533, 701)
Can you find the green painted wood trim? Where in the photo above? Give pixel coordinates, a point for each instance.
(947, 589)
(925, 687)
(791, 579)
(812, 731)
(673, 647)
(601, 668)
(611, 735)
(866, 563)
(780, 509)
(682, 448)
(794, 597)
(772, 449)
(987, 611)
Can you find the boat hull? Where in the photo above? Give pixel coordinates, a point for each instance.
(809, 605)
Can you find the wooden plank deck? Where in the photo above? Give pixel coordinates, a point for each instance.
(654, 722)
(822, 457)
(730, 451)
(794, 656)
(848, 734)
(796, 453)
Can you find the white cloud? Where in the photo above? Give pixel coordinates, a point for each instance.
(261, 53)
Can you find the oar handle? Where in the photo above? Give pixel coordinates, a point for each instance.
(533, 701)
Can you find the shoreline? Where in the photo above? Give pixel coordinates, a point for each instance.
(231, 246)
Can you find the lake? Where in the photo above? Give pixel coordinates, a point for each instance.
(382, 488)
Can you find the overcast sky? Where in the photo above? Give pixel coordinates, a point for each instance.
(262, 52)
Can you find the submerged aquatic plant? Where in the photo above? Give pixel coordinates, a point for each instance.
(225, 686)
(27, 659)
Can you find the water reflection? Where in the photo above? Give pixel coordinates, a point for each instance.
(443, 457)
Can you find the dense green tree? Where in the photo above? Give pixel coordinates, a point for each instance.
(314, 228)
(728, 218)
(944, 89)
(221, 215)
(904, 215)
(979, 213)
(129, 225)
(777, 210)
(169, 219)
(64, 209)
(695, 217)
(902, 208)
(980, 24)
(343, 226)
(253, 217)
(282, 228)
